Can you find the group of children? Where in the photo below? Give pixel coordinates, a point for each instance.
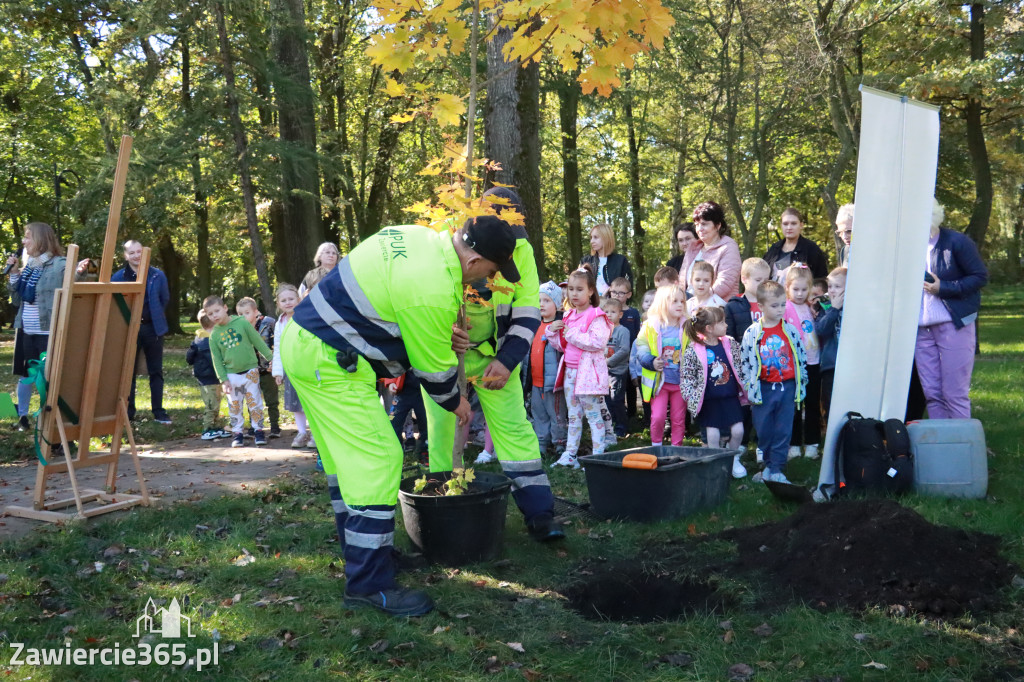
(238, 356)
(764, 359)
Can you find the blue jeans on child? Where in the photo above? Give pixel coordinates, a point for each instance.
(773, 419)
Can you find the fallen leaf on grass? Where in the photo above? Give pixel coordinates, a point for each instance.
(795, 663)
(875, 665)
(530, 675)
(862, 637)
(725, 625)
(1017, 581)
(763, 630)
(244, 559)
(441, 628)
(492, 666)
(729, 636)
(112, 551)
(922, 665)
(380, 646)
(739, 672)
(953, 662)
(516, 646)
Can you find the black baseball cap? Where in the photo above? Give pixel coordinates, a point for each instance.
(494, 239)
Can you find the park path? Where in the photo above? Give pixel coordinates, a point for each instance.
(189, 469)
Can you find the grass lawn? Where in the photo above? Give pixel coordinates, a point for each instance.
(263, 573)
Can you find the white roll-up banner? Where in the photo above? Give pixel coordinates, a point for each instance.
(896, 166)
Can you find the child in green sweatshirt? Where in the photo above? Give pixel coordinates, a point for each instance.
(234, 344)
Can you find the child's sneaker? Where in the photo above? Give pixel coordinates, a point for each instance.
(775, 477)
(238, 440)
(300, 440)
(259, 438)
(567, 460)
(794, 451)
(484, 458)
(811, 451)
(738, 470)
(759, 455)
(221, 433)
(275, 432)
(319, 463)
(210, 434)
(311, 444)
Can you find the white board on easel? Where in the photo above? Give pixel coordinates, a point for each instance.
(896, 167)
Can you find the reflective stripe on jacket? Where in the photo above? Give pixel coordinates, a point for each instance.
(394, 300)
(649, 342)
(516, 309)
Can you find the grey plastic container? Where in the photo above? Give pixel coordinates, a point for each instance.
(671, 491)
(950, 458)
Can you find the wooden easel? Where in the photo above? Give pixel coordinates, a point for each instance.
(90, 378)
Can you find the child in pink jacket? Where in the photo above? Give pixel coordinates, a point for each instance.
(582, 335)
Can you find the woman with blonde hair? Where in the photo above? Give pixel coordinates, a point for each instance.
(326, 258)
(32, 290)
(607, 264)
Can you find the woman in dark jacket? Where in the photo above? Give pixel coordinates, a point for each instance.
(944, 353)
(32, 290)
(608, 265)
(686, 234)
(795, 248)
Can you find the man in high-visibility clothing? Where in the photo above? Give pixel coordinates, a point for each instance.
(388, 307)
(499, 338)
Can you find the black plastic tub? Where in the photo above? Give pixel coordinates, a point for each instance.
(461, 529)
(699, 481)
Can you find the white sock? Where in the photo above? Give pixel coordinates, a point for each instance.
(300, 421)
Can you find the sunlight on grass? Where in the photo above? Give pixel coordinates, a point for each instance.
(197, 551)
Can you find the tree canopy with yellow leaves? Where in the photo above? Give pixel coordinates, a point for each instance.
(595, 37)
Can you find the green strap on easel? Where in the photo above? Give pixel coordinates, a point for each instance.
(36, 374)
(122, 305)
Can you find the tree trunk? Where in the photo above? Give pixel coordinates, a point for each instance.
(639, 234)
(174, 265)
(527, 161)
(568, 111)
(300, 181)
(1013, 249)
(242, 155)
(329, 135)
(512, 133)
(679, 213)
(980, 165)
(200, 205)
(502, 140)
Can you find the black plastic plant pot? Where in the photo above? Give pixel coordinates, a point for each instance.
(687, 480)
(460, 529)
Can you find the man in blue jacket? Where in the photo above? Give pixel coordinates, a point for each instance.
(153, 327)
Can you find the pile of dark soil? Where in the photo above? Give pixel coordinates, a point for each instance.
(862, 553)
(628, 591)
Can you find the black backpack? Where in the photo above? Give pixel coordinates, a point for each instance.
(873, 457)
